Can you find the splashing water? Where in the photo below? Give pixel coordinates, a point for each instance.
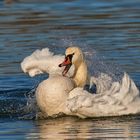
(103, 73)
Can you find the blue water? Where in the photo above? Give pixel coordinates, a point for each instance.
(109, 28)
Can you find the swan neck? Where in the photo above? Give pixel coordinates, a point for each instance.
(81, 74)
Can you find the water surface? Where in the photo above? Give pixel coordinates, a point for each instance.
(109, 28)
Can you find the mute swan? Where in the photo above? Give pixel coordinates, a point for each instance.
(65, 94)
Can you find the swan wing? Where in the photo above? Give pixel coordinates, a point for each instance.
(43, 61)
(122, 98)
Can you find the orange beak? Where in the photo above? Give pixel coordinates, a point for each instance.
(67, 63)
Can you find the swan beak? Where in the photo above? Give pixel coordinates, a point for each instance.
(67, 63)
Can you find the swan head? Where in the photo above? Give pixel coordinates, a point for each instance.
(73, 55)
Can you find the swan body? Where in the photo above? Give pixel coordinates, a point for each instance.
(51, 94)
(65, 94)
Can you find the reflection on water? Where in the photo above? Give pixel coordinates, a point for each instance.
(109, 27)
(73, 128)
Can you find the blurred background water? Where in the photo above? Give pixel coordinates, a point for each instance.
(110, 28)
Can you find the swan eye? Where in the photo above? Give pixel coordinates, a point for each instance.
(70, 56)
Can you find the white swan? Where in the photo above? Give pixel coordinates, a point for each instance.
(60, 94)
